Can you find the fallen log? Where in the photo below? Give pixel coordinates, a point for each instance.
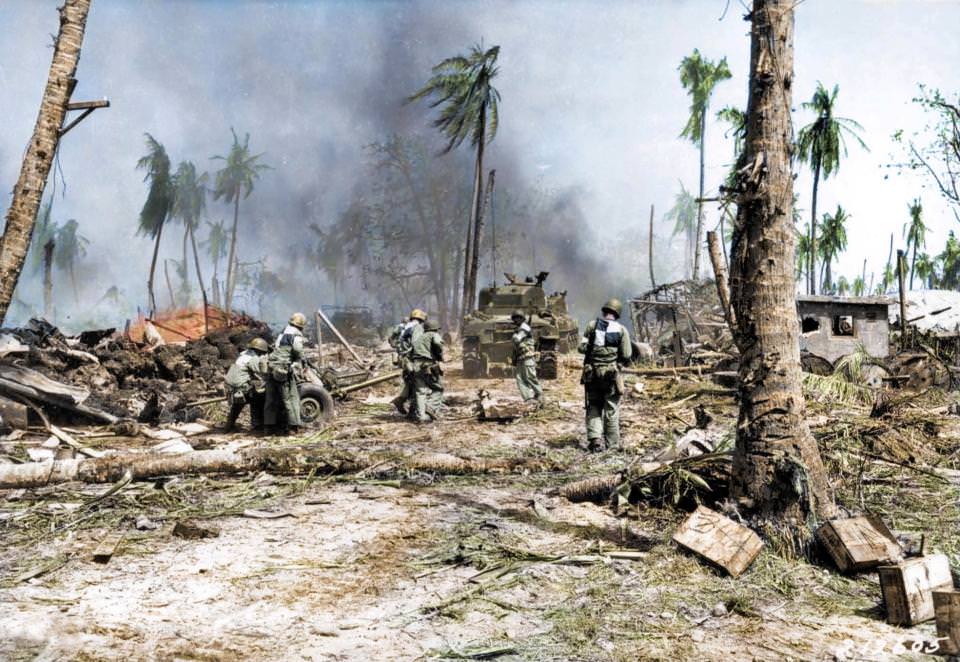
(597, 488)
(699, 369)
(291, 461)
(30, 393)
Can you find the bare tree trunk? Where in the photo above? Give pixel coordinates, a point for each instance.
(203, 290)
(166, 275)
(153, 269)
(478, 236)
(722, 280)
(778, 475)
(48, 280)
(653, 281)
(699, 242)
(231, 266)
(812, 261)
(38, 160)
(469, 286)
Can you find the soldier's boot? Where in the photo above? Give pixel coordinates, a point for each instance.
(232, 417)
(596, 445)
(400, 403)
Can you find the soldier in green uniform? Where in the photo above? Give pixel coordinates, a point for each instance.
(402, 341)
(246, 383)
(426, 354)
(525, 359)
(283, 396)
(605, 345)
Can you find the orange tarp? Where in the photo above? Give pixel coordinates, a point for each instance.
(184, 324)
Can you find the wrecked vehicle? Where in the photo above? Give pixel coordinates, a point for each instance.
(488, 331)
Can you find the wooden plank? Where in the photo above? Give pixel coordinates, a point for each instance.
(107, 548)
(719, 540)
(858, 543)
(908, 588)
(946, 607)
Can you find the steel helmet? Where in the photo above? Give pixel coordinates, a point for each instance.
(518, 314)
(431, 325)
(418, 314)
(259, 344)
(614, 306)
(298, 320)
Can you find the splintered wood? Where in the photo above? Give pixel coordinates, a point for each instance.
(859, 543)
(946, 606)
(908, 588)
(719, 539)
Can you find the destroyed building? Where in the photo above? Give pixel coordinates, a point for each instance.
(833, 326)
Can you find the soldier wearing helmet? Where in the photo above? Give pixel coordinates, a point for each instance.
(605, 345)
(525, 359)
(281, 411)
(246, 383)
(426, 355)
(402, 341)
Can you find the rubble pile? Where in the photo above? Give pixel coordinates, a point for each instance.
(127, 378)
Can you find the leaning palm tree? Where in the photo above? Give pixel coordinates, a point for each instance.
(216, 245)
(463, 86)
(236, 178)
(820, 144)
(70, 246)
(916, 234)
(833, 241)
(189, 203)
(684, 217)
(156, 209)
(699, 76)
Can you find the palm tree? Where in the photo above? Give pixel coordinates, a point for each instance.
(821, 144)
(833, 241)
(926, 268)
(858, 287)
(236, 178)
(462, 85)
(950, 263)
(802, 255)
(70, 246)
(157, 207)
(684, 217)
(843, 286)
(216, 244)
(699, 76)
(916, 234)
(189, 203)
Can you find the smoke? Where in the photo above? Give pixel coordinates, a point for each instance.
(314, 83)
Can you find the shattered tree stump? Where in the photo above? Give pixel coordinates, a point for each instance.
(946, 607)
(719, 540)
(859, 543)
(908, 588)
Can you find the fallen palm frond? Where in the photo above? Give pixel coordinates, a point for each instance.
(836, 388)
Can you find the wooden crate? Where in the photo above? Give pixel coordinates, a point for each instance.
(908, 588)
(719, 540)
(946, 607)
(859, 543)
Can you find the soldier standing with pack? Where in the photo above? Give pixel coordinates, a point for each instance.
(605, 345)
(402, 340)
(525, 359)
(283, 395)
(246, 383)
(426, 354)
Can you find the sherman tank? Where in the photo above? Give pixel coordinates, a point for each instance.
(488, 331)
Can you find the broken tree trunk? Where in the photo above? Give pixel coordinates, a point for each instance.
(722, 280)
(42, 148)
(653, 281)
(778, 475)
(293, 460)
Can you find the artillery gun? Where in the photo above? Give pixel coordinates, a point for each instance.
(488, 331)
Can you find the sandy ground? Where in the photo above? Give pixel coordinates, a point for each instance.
(367, 569)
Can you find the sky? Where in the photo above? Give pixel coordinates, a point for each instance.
(591, 101)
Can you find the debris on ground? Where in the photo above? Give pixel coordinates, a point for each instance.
(859, 543)
(719, 540)
(908, 588)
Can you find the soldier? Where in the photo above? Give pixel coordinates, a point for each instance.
(246, 383)
(525, 359)
(402, 340)
(283, 396)
(426, 354)
(605, 344)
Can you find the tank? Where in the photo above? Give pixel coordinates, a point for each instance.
(488, 331)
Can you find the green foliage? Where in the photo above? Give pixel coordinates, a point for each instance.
(858, 288)
(823, 142)
(190, 195)
(803, 251)
(833, 241)
(240, 171)
(916, 234)
(926, 268)
(160, 196)
(217, 241)
(950, 263)
(843, 286)
(462, 86)
(699, 76)
(737, 119)
(683, 213)
(70, 245)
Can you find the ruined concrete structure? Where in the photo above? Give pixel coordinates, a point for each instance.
(833, 326)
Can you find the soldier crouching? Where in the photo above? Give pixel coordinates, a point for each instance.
(246, 384)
